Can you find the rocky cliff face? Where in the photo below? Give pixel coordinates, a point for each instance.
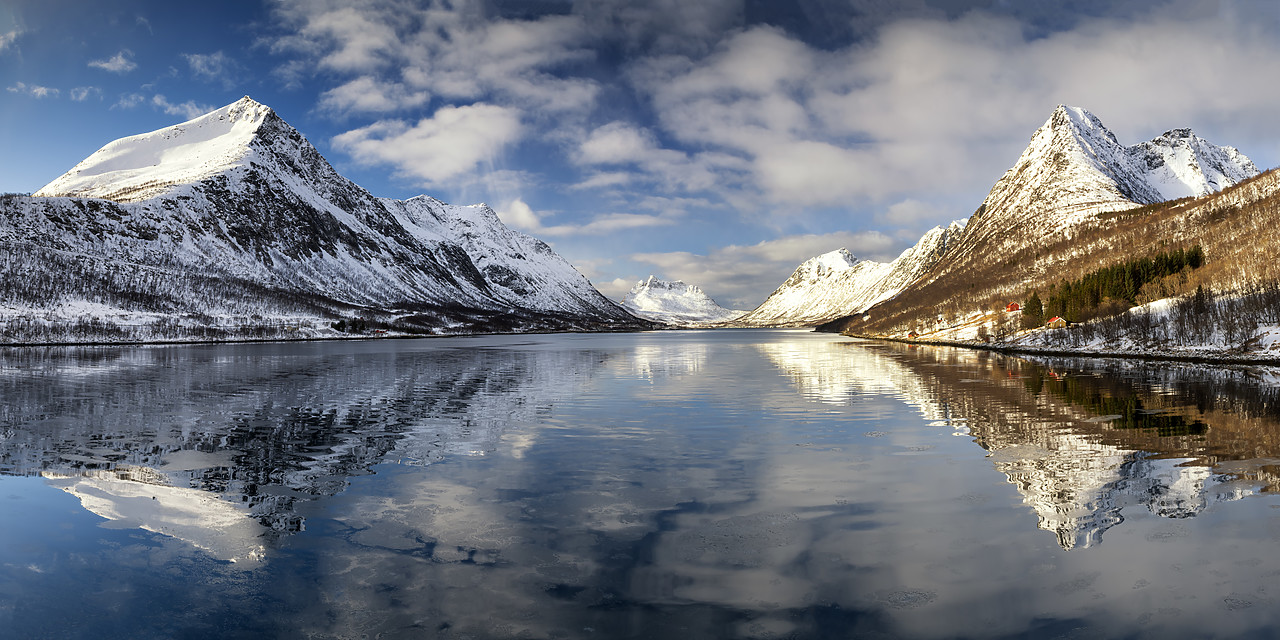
(235, 214)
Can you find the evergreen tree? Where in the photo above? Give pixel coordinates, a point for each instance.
(1032, 311)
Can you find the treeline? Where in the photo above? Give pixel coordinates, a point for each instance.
(1112, 289)
(1201, 318)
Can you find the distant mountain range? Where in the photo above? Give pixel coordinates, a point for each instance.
(674, 302)
(233, 225)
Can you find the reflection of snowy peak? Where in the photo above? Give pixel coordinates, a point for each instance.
(837, 284)
(674, 302)
(236, 212)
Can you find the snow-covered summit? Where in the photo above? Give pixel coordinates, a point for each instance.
(145, 165)
(674, 302)
(237, 210)
(1075, 169)
(837, 284)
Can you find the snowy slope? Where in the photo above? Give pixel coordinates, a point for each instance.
(837, 284)
(235, 213)
(675, 302)
(142, 166)
(1057, 207)
(1074, 169)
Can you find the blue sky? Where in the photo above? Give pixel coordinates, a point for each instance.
(719, 142)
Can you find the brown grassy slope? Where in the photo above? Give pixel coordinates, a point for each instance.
(1238, 228)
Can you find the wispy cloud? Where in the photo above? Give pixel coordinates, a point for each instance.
(435, 150)
(216, 66)
(35, 91)
(119, 63)
(8, 38)
(189, 109)
(80, 94)
(451, 50)
(520, 215)
(129, 101)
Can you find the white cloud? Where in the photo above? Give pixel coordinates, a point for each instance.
(936, 106)
(742, 276)
(35, 91)
(80, 94)
(435, 150)
(604, 179)
(370, 95)
(189, 109)
(619, 143)
(119, 63)
(211, 66)
(520, 215)
(615, 289)
(8, 38)
(129, 101)
(454, 50)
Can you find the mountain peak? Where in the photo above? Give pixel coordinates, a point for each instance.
(837, 260)
(143, 166)
(674, 302)
(1080, 122)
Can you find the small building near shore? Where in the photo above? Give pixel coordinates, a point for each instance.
(1056, 322)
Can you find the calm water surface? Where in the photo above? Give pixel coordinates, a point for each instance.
(728, 484)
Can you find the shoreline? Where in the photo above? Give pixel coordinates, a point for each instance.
(1008, 349)
(184, 343)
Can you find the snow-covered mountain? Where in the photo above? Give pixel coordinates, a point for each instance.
(1074, 169)
(837, 284)
(1056, 206)
(675, 302)
(235, 215)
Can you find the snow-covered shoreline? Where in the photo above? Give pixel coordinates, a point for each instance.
(1195, 355)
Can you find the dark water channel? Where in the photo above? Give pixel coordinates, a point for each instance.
(728, 484)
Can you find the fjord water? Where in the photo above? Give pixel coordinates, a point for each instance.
(715, 484)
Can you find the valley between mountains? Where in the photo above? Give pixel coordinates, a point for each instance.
(232, 226)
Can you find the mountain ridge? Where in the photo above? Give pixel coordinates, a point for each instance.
(674, 302)
(239, 199)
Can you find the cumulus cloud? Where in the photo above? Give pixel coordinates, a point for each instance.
(520, 215)
(435, 150)
(619, 143)
(371, 95)
(456, 50)
(119, 63)
(35, 91)
(741, 276)
(939, 104)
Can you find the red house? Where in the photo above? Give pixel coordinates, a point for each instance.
(1013, 306)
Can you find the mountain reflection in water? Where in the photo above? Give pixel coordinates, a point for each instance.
(1081, 439)
(745, 484)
